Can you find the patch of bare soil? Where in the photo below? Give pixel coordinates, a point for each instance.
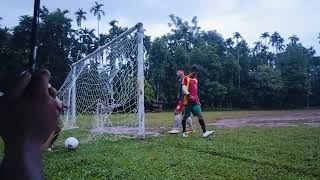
(283, 119)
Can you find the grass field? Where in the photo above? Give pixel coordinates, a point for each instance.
(237, 153)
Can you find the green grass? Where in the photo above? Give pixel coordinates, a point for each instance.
(246, 153)
(241, 153)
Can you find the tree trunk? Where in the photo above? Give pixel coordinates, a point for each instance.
(98, 34)
(239, 73)
(158, 91)
(265, 42)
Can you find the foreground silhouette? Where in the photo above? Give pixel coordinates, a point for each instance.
(29, 113)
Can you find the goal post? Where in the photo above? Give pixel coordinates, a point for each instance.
(72, 120)
(141, 115)
(104, 91)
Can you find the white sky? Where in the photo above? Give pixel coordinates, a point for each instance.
(249, 17)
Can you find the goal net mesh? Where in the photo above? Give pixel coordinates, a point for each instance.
(101, 90)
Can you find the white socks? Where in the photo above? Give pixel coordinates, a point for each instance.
(177, 121)
(189, 122)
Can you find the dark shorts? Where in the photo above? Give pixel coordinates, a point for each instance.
(195, 109)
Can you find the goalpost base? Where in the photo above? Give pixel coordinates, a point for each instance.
(70, 128)
(123, 130)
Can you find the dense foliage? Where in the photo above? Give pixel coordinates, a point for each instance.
(272, 74)
(269, 75)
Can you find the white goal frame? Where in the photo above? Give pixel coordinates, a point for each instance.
(70, 115)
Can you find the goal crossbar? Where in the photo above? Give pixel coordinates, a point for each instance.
(127, 32)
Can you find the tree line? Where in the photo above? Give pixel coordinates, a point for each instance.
(271, 74)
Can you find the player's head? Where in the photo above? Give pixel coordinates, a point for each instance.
(180, 73)
(193, 71)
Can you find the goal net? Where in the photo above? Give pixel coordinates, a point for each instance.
(104, 91)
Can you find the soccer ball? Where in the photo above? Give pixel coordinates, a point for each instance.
(71, 143)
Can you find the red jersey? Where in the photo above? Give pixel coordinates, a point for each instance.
(192, 85)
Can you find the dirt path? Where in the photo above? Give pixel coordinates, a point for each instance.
(288, 119)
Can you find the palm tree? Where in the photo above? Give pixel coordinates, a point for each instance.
(87, 35)
(294, 39)
(276, 42)
(113, 23)
(257, 52)
(62, 11)
(238, 36)
(257, 47)
(80, 16)
(274, 39)
(279, 45)
(87, 38)
(115, 30)
(98, 12)
(229, 43)
(265, 36)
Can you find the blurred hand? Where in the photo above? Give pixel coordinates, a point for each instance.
(30, 109)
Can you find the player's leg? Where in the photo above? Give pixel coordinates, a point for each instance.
(56, 135)
(176, 124)
(189, 120)
(51, 139)
(177, 118)
(201, 122)
(189, 124)
(196, 110)
(187, 113)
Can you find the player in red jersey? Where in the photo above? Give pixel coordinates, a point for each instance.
(180, 106)
(192, 102)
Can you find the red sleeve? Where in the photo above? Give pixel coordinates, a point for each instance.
(185, 81)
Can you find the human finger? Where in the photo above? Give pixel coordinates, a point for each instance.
(22, 83)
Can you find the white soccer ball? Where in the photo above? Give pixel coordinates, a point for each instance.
(71, 143)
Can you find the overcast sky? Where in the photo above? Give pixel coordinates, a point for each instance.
(249, 17)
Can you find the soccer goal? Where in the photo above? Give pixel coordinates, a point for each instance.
(104, 91)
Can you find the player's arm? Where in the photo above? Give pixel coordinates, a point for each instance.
(185, 88)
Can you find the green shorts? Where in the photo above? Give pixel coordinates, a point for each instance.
(195, 109)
